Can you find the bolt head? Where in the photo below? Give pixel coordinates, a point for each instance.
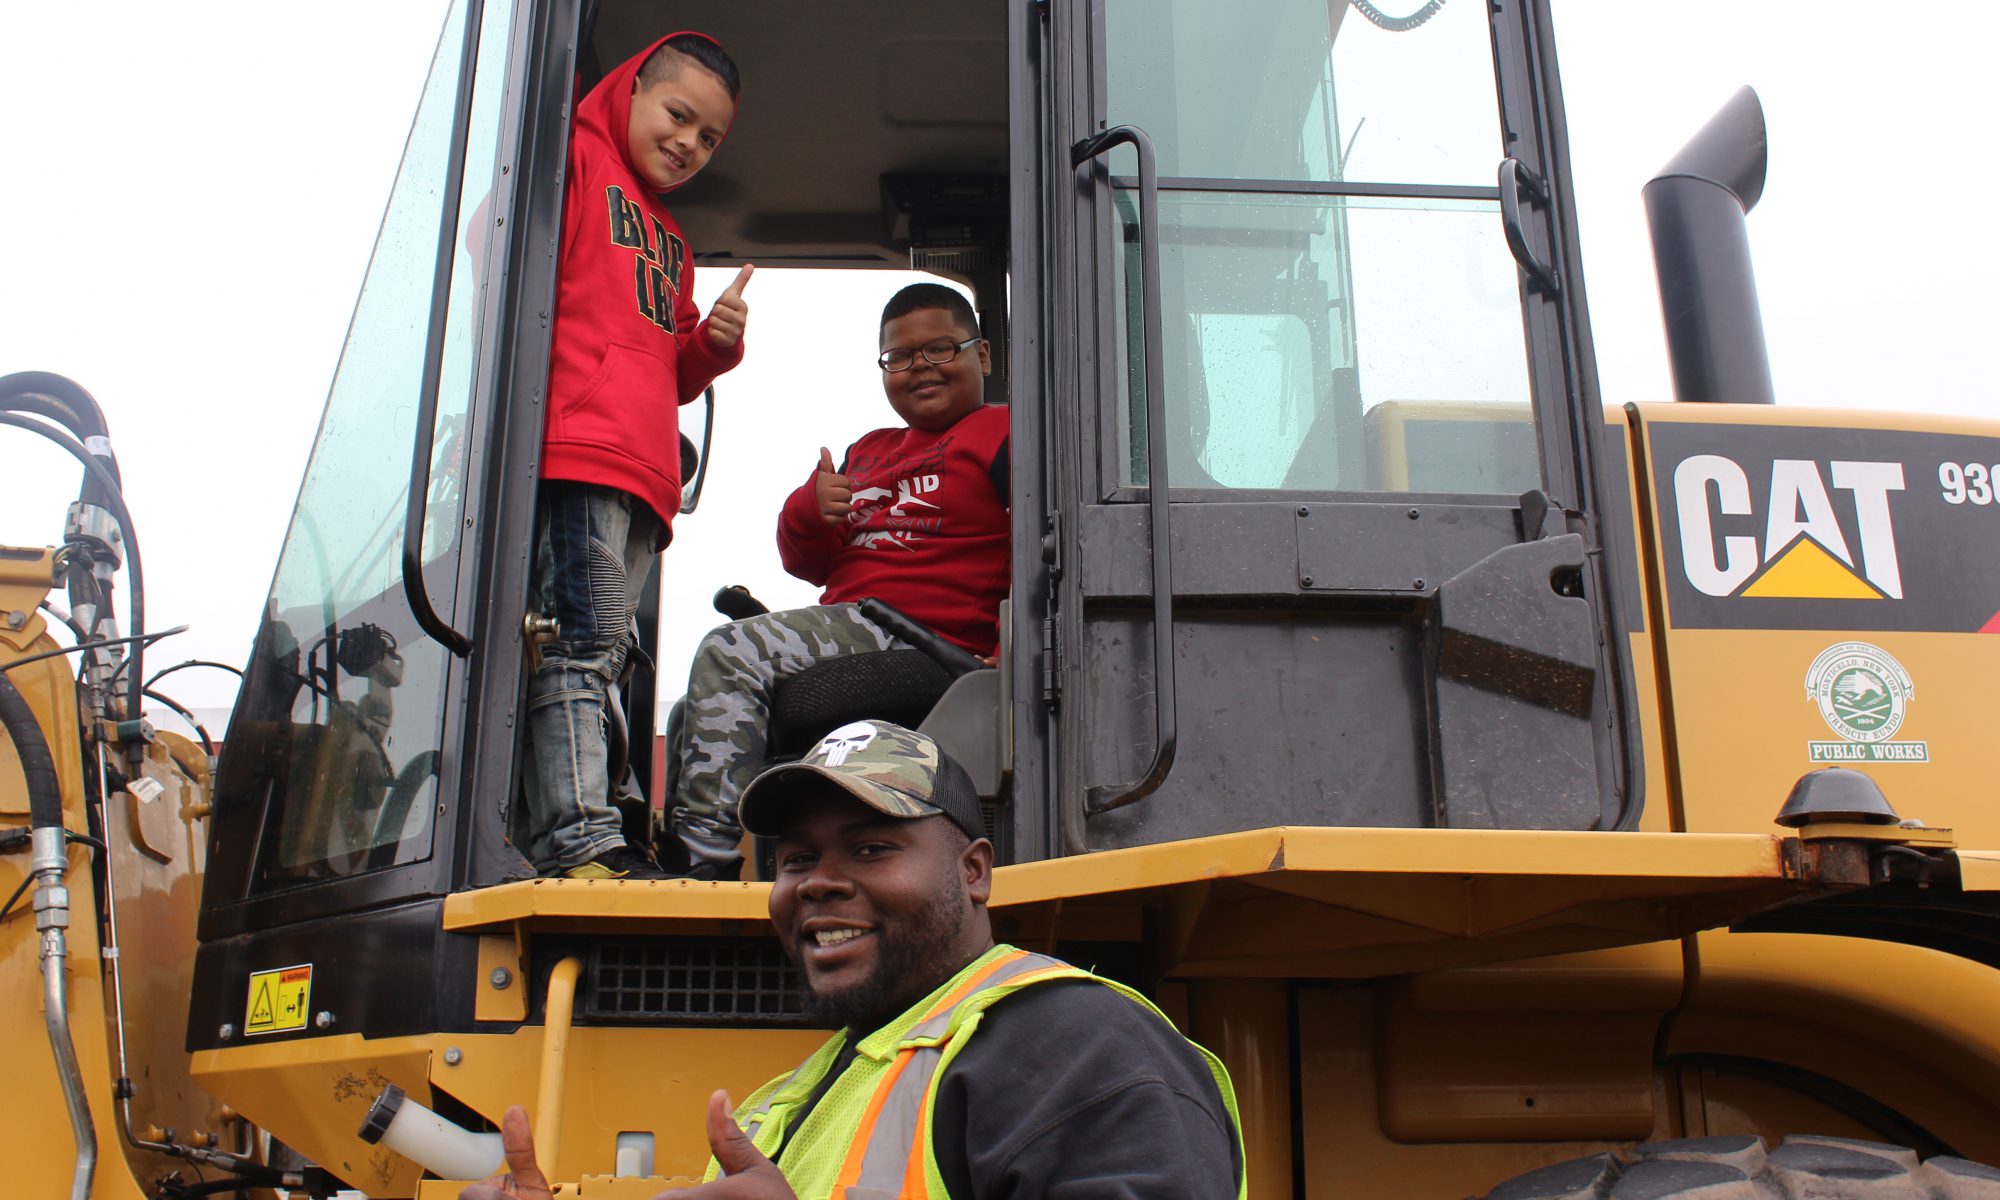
(1305, 581)
(16, 619)
(227, 1032)
(453, 1056)
(500, 978)
(323, 1019)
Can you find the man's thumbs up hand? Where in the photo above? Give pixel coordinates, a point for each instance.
(746, 1173)
(831, 490)
(730, 314)
(523, 1179)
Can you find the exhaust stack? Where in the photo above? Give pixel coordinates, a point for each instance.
(1695, 207)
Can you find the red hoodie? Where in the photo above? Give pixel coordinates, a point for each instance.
(627, 348)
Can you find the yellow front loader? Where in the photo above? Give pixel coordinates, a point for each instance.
(1526, 791)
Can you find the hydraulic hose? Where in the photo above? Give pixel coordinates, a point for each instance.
(38, 765)
(113, 498)
(48, 866)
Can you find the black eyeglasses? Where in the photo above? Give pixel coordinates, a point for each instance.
(936, 353)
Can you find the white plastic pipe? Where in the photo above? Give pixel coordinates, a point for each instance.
(445, 1149)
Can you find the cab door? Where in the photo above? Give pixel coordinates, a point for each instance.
(370, 757)
(1323, 539)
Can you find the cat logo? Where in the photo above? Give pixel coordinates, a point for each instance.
(1804, 549)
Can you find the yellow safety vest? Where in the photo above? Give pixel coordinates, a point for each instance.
(869, 1136)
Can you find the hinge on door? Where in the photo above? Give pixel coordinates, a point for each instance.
(1052, 559)
(1051, 666)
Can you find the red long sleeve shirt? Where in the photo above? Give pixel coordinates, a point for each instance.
(928, 530)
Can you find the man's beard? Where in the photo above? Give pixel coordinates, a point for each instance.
(908, 966)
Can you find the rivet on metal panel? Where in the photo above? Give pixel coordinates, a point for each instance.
(500, 978)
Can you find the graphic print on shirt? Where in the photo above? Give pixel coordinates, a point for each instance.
(656, 268)
(893, 510)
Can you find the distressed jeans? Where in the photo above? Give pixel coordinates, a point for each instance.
(595, 546)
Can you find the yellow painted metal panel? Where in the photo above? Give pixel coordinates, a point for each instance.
(1912, 1028)
(315, 1092)
(1979, 870)
(593, 899)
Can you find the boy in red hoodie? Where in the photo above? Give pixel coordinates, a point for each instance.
(628, 348)
(915, 515)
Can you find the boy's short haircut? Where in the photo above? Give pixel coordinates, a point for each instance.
(705, 51)
(919, 296)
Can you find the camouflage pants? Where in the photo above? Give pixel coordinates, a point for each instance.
(728, 708)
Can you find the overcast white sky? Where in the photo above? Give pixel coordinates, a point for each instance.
(191, 190)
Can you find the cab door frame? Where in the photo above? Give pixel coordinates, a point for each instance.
(1082, 329)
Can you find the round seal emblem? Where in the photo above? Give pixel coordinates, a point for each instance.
(1861, 690)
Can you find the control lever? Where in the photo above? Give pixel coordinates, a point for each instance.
(955, 659)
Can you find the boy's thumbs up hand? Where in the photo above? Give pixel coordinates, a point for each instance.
(831, 490)
(730, 314)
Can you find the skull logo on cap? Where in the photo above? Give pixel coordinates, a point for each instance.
(846, 740)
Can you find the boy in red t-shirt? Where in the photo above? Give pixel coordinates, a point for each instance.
(627, 349)
(914, 515)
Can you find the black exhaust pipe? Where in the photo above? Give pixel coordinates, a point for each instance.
(1695, 208)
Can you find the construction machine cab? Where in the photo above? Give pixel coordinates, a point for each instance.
(1305, 436)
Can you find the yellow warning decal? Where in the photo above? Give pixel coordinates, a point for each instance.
(278, 999)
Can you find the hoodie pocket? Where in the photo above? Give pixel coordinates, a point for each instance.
(630, 391)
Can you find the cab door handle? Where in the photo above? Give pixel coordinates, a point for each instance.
(1516, 177)
(1105, 797)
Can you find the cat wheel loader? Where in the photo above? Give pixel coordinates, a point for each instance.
(1508, 781)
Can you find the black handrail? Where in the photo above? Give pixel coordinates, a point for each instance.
(1105, 797)
(1516, 177)
(427, 402)
(693, 496)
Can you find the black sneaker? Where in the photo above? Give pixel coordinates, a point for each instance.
(619, 862)
(712, 871)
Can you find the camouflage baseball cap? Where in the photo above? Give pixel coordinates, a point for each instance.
(889, 768)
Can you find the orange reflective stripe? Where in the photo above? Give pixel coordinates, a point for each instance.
(973, 984)
(916, 1176)
(850, 1170)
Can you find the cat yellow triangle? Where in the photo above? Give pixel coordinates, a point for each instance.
(1806, 571)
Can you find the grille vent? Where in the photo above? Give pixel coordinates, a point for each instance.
(693, 981)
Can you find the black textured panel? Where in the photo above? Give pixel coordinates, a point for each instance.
(691, 981)
(894, 685)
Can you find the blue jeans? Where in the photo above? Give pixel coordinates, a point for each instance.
(596, 545)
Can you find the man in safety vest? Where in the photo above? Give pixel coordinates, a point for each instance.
(1074, 1086)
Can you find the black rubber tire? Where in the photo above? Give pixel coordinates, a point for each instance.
(1803, 1167)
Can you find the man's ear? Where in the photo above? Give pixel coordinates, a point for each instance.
(985, 357)
(977, 864)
